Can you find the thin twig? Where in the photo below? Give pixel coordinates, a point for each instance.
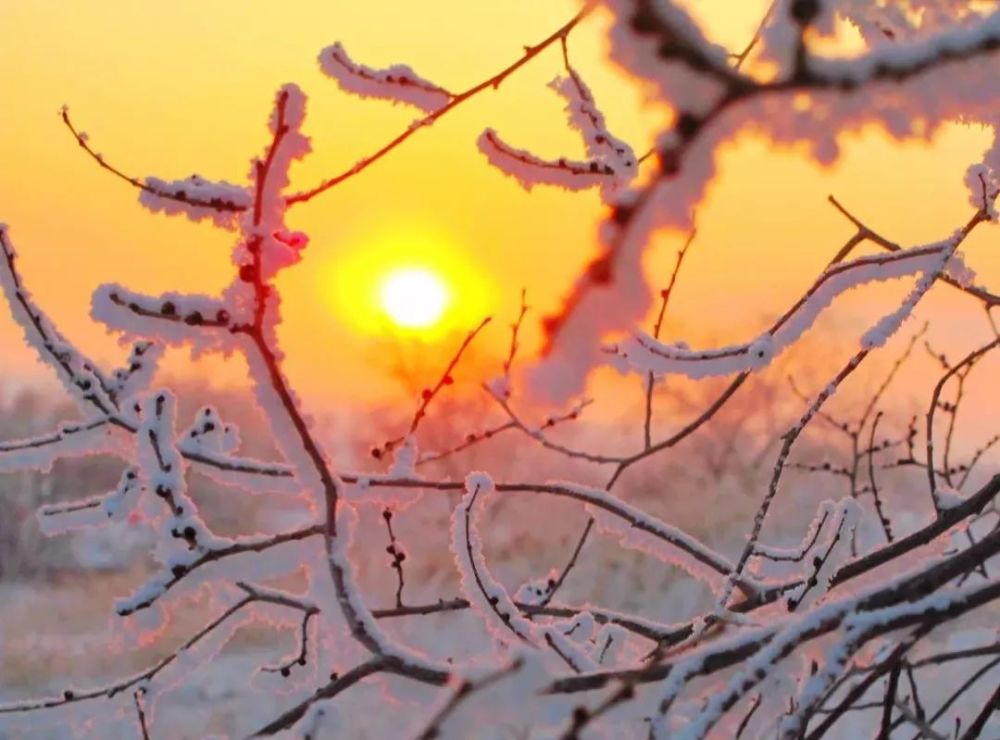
(141, 714)
(530, 52)
(397, 555)
(882, 518)
(664, 300)
(446, 379)
(551, 592)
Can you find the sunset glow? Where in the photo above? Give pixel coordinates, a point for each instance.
(434, 203)
(409, 279)
(414, 297)
(375, 311)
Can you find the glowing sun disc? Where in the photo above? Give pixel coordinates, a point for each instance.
(414, 298)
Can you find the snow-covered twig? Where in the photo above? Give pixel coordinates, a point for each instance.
(966, 362)
(457, 99)
(144, 679)
(397, 83)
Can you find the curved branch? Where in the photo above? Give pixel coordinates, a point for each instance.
(530, 52)
(215, 204)
(336, 686)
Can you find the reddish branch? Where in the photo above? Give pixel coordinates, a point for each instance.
(215, 204)
(515, 329)
(530, 52)
(494, 81)
(807, 76)
(429, 394)
(664, 301)
(446, 378)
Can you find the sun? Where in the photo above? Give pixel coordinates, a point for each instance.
(405, 281)
(414, 297)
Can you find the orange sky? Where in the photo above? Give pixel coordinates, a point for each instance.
(168, 89)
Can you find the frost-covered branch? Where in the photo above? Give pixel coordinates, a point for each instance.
(662, 44)
(195, 195)
(456, 99)
(966, 362)
(799, 635)
(78, 374)
(397, 83)
(142, 681)
(657, 327)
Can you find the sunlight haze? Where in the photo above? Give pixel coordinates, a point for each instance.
(168, 90)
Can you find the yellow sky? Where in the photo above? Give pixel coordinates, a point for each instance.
(169, 89)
